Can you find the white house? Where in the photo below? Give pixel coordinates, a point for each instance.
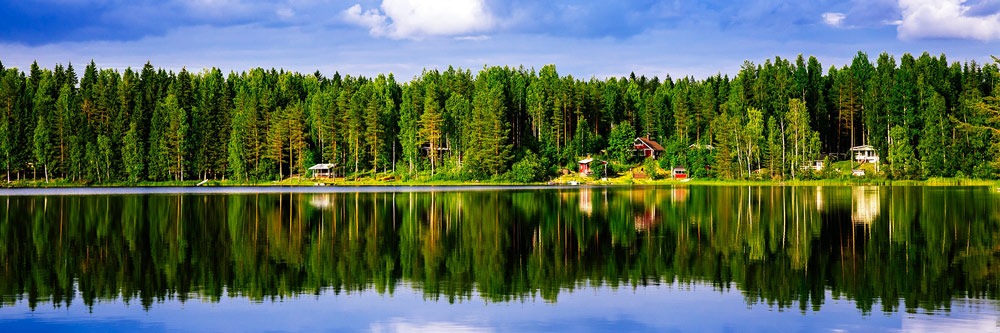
(865, 154)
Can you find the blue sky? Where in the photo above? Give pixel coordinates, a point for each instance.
(583, 38)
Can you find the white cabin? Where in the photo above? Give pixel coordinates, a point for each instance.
(865, 154)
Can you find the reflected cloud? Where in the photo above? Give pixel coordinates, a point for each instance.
(402, 325)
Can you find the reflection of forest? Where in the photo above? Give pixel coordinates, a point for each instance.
(774, 244)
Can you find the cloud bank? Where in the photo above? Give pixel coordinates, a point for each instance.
(834, 19)
(414, 19)
(960, 19)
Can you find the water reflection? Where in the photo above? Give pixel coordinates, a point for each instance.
(914, 247)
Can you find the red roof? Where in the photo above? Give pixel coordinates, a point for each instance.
(651, 144)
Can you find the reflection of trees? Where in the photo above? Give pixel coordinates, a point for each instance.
(774, 244)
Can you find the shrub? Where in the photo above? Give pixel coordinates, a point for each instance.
(528, 169)
(651, 168)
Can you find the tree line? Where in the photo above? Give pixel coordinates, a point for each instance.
(925, 116)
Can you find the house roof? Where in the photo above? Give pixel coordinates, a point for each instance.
(863, 148)
(586, 160)
(322, 166)
(650, 143)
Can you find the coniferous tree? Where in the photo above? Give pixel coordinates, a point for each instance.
(132, 154)
(430, 126)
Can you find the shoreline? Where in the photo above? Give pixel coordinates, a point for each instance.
(304, 186)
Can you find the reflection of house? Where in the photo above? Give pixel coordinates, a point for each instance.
(586, 205)
(679, 194)
(322, 170)
(864, 204)
(321, 201)
(819, 198)
(646, 220)
(647, 148)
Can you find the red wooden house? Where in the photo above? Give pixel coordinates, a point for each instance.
(585, 166)
(647, 148)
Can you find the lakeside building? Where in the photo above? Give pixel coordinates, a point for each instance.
(322, 171)
(647, 148)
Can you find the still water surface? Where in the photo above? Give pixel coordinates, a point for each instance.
(509, 259)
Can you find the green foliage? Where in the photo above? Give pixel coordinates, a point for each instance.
(651, 167)
(132, 154)
(528, 169)
(902, 160)
(620, 143)
(267, 124)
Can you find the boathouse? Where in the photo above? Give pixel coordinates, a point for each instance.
(679, 172)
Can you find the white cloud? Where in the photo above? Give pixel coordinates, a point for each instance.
(285, 13)
(834, 19)
(418, 18)
(476, 38)
(945, 19)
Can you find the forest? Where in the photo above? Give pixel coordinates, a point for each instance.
(925, 116)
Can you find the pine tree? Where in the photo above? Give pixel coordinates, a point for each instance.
(175, 136)
(277, 135)
(409, 127)
(132, 153)
(430, 126)
(44, 107)
(620, 142)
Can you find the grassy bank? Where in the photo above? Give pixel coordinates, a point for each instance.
(564, 180)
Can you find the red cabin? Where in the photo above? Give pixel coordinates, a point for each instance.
(585, 166)
(647, 148)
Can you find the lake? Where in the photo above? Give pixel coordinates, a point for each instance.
(744, 258)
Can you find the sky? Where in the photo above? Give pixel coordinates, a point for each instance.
(583, 38)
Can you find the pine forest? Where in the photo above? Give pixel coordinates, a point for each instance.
(926, 117)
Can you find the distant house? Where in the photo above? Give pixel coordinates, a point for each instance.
(679, 172)
(585, 166)
(865, 154)
(322, 170)
(647, 148)
(815, 165)
(425, 149)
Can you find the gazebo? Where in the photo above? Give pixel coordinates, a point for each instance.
(321, 170)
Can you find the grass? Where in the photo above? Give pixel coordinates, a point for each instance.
(623, 180)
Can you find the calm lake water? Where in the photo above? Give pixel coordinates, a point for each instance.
(508, 259)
